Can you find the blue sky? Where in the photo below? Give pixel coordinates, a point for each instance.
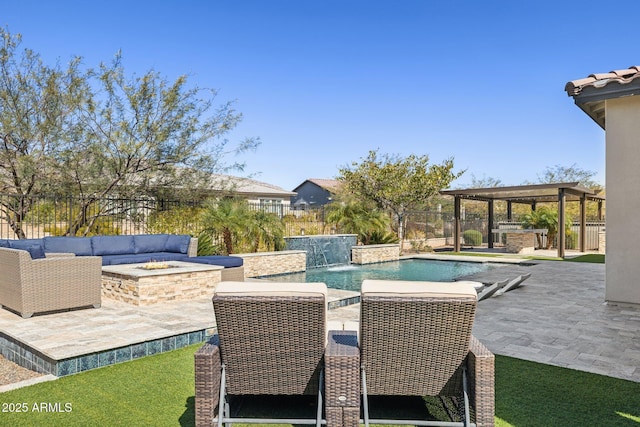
(323, 82)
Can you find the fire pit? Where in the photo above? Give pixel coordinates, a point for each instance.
(152, 283)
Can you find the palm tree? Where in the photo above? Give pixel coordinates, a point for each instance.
(227, 217)
(545, 217)
(267, 229)
(356, 218)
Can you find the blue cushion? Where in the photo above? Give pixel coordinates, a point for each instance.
(178, 243)
(224, 261)
(112, 245)
(33, 246)
(36, 251)
(24, 244)
(145, 243)
(4, 243)
(80, 246)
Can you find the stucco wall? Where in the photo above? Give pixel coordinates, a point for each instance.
(623, 199)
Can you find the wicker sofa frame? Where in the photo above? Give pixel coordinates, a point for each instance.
(54, 283)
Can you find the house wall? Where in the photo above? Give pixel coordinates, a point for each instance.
(623, 199)
(256, 200)
(312, 194)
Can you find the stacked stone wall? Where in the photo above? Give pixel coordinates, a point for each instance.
(272, 263)
(374, 253)
(155, 289)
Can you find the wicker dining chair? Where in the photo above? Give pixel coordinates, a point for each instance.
(271, 341)
(415, 340)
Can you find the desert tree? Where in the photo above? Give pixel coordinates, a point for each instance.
(97, 133)
(396, 184)
(146, 136)
(39, 107)
(572, 173)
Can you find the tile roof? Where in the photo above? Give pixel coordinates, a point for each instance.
(600, 80)
(328, 184)
(591, 93)
(247, 186)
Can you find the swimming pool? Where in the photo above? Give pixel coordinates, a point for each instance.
(350, 277)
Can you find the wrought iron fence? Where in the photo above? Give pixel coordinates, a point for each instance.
(39, 216)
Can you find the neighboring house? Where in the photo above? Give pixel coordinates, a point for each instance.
(612, 100)
(255, 192)
(314, 192)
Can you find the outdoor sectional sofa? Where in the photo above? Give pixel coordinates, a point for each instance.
(133, 249)
(73, 264)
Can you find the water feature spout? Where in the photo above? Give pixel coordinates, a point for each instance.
(324, 250)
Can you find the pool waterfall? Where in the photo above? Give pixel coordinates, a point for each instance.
(324, 250)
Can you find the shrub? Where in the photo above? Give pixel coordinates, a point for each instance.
(572, 240)
(206, 245)
(378, 237)
(472, 237)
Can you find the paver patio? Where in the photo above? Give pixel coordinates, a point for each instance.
(557, 317)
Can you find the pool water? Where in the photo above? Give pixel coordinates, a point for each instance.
(350, 277)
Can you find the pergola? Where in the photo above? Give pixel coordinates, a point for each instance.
(528, 194)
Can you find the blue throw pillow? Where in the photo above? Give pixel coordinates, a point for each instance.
(36, 251)
(178, 243)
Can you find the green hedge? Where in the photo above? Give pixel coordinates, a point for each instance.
(472, 237)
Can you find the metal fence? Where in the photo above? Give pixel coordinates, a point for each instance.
(41, 216)
(437, 229)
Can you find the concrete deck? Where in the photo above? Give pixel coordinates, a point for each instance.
(557, 317)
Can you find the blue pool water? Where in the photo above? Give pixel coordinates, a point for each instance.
(349, 277)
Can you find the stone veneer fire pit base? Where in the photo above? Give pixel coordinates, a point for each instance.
(133, 284)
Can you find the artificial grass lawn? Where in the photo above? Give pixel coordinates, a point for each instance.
(158, 391)
(152, 391)
(592, 258)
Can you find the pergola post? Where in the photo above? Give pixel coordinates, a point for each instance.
(456, 224)
(561, 221)
(490, 225)
(509, 210)
(583, 223)
(600, 210)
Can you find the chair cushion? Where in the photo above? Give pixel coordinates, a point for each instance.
(178, 243)
(476, 285)
(112, 245)
(225, 261)
(33, 246)
(80, 246)
(145, 243)
(390, 288)
(4, 243)
(271, 289)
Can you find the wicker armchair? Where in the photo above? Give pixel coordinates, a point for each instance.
(271, 341)
(61, 282)
(415, 340)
